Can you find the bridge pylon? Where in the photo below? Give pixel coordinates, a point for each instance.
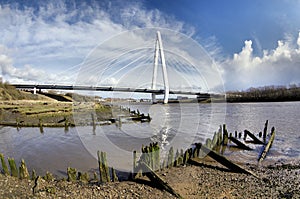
(159, 51)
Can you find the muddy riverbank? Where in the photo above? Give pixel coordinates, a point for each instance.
(278, 181)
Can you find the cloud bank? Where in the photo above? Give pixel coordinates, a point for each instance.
(280, 66)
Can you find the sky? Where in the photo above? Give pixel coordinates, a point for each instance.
(254, 43)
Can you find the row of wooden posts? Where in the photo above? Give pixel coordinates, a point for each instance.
(106, 174)
(149, 161)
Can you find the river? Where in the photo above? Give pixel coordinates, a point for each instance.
(177, 125)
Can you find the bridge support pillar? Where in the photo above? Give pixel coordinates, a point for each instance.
(160, 51)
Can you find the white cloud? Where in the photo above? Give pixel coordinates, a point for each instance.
(55, 36)
(279, 66)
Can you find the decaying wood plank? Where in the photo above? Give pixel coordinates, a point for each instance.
(225, 162)
(155, 178)
(268, 146)
(239, 144)
(255, 139)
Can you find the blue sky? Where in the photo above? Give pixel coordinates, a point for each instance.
(255, 43)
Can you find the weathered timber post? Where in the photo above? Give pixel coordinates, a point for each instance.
(114, 175)
(186, 157)
(265, 131)
(93, 122)
(83, 177)
(103, 167)
(4, 165)
(176, 158)
(71, 174)
(170, 158)
(66, 124)
(23, 170)
(156, 153)
(41, 125)
(48, 177)
(33, 175)
(235, 134)
(225, 135)
(13, 167)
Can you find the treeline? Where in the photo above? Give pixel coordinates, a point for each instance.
(266, 94)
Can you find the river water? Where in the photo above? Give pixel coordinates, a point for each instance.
(177, 125)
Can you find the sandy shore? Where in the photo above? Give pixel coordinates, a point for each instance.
(188, 181)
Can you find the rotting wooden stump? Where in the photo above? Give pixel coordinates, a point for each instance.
(268, 146)
(103, 167)
(24, 174)
(72, 174)
(4, 165)
(13, 167)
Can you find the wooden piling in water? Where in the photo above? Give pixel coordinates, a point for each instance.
(23, 171)
(225, 135)
(4, 165)
(268, 146)
(13, 167)
(265, 131)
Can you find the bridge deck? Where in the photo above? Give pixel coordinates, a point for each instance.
(103, 88)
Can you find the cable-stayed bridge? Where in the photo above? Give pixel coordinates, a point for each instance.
(159, 56)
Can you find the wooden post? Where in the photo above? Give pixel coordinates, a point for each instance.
(114, 175)
(23, 170)
(225, 135)
(171, 158)
(71, 174)
(4, 165)
(13, 167)
(33, 175)
(48, 177)
(134, 163)
(186, 157)
(156, 151)
(265, 131)
(103, 167)
(83, 177)
(93, 122)
(41, 125)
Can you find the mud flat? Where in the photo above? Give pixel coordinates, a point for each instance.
(279, 181)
